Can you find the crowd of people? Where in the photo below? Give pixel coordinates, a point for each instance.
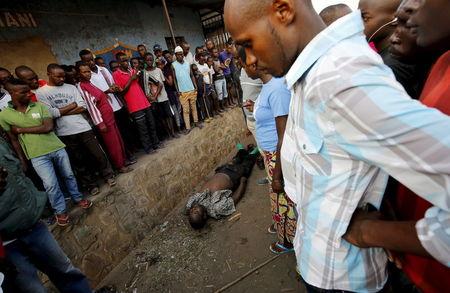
(347, 108)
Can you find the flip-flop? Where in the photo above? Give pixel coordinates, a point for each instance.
(281, 248)
(272, 229)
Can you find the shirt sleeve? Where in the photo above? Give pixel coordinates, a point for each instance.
(78, 98)
(45, 112)
(374, 120)
(54, 112)
(279, 100)
(4, 124)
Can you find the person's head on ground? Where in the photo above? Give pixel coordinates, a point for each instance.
(149, 60)
(273, 32)
(197, 216)
(122, 59)
(19, 91)
(71, 74)
(186, 48)
(210, 61)
(84, 72)
(378, 17)
(403, 40)
(56, 75)
(209, 45)
(141, 50)
(87, 57)
(168, 56)
(157, 50)
(333, 12)
(431, 23)
(179, 54)
(28, 75)
(135, 64)
(100, 61)
(5, 75)
(113, 65)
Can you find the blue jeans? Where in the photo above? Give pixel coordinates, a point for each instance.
(221, 89)
(45, 167)
(38, 250)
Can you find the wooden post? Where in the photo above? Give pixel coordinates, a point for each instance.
(169, 22)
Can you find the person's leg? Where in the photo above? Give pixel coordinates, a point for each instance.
(93, 146)
(176, 116)
(45, 169)
(114, 145)
(169, 118)
(192, 97)
(237, 82)
(127, 130)
(49, 258)
(26, 278)
(77, 154)
(151, 126)
(141, 123)
(184, 100)
(62, 163)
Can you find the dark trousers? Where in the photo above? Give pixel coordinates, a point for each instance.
(147, 128)
(86, 156)
(38, 250)
(127, 130)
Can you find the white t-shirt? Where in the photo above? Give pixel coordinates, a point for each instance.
(157, 75)
(206, 72)
(56, 97)
(4, 98)
(99, 80)
(189, 58)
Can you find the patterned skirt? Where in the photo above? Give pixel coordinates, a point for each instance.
(283, 209)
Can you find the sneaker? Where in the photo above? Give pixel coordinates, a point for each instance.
(111, 182)
(62, 220)
(262, 181)
(84, 204)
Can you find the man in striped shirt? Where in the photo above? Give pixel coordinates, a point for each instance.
(350, 125)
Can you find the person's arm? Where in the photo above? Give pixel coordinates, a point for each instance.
(239, 192)
(18, 150)
(128, 84)
(175, 78)
(169, 80)
(373, 120)
(67, 109)
(45, 127)
(277, 177)
(193, 79)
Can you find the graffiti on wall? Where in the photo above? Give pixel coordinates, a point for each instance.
(16, 19)
(108, 54)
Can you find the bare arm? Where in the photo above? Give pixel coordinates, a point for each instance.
(277, 177)
(175, 78)
(65, 110)
(193, 80)
(45, 127)
(239, 192)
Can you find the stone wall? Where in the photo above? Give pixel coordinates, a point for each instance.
(123, 215)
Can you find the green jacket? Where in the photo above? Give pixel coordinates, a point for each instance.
(21, 204)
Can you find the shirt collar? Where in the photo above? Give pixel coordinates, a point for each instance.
(341, 29)
(31, 104)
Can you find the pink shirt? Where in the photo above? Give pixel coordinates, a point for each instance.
(134, 97)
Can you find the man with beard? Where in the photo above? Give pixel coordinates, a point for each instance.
(350, 125)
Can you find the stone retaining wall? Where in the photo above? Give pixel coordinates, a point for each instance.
(99, 239)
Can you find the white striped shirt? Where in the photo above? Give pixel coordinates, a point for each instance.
(350, 125)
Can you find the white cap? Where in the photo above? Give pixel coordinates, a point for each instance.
(178, 49)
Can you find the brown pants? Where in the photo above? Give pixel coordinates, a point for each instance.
(188, 102)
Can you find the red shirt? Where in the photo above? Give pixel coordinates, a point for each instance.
(134, 97)
(426, 273)
(41, 83)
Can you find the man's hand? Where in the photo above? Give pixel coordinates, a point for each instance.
(249, 105)
(3, 181)
(359, 224)
(277, 186)
(15, 130)
(135, 76)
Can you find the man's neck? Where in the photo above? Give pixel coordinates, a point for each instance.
(52, 84)
(123, 69)
(265, 78)
(19, 106)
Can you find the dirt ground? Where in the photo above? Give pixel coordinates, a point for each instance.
(174, 258)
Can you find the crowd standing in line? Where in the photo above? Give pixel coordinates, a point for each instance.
(348, 110)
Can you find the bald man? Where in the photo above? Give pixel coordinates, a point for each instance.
(376, 15)
(333, 12)
(350, 125)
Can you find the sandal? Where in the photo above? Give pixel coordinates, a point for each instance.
(278, 248)
(272, 229)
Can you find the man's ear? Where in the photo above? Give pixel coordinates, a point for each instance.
(283, 11)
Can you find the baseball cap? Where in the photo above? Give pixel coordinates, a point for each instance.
(178, 49)
(157, 47)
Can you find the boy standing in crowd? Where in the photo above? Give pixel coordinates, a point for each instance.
(66, 106)
(137, 103)
(186, 85)
(30, 129)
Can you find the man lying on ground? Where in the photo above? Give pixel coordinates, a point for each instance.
(222, 191)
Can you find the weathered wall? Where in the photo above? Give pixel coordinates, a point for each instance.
(69, 26)
(119, 220)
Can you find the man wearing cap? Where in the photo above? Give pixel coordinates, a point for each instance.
(186, 86)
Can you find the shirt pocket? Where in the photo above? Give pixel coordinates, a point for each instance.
(310, 157)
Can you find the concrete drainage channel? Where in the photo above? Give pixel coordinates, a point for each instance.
(123, 215)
